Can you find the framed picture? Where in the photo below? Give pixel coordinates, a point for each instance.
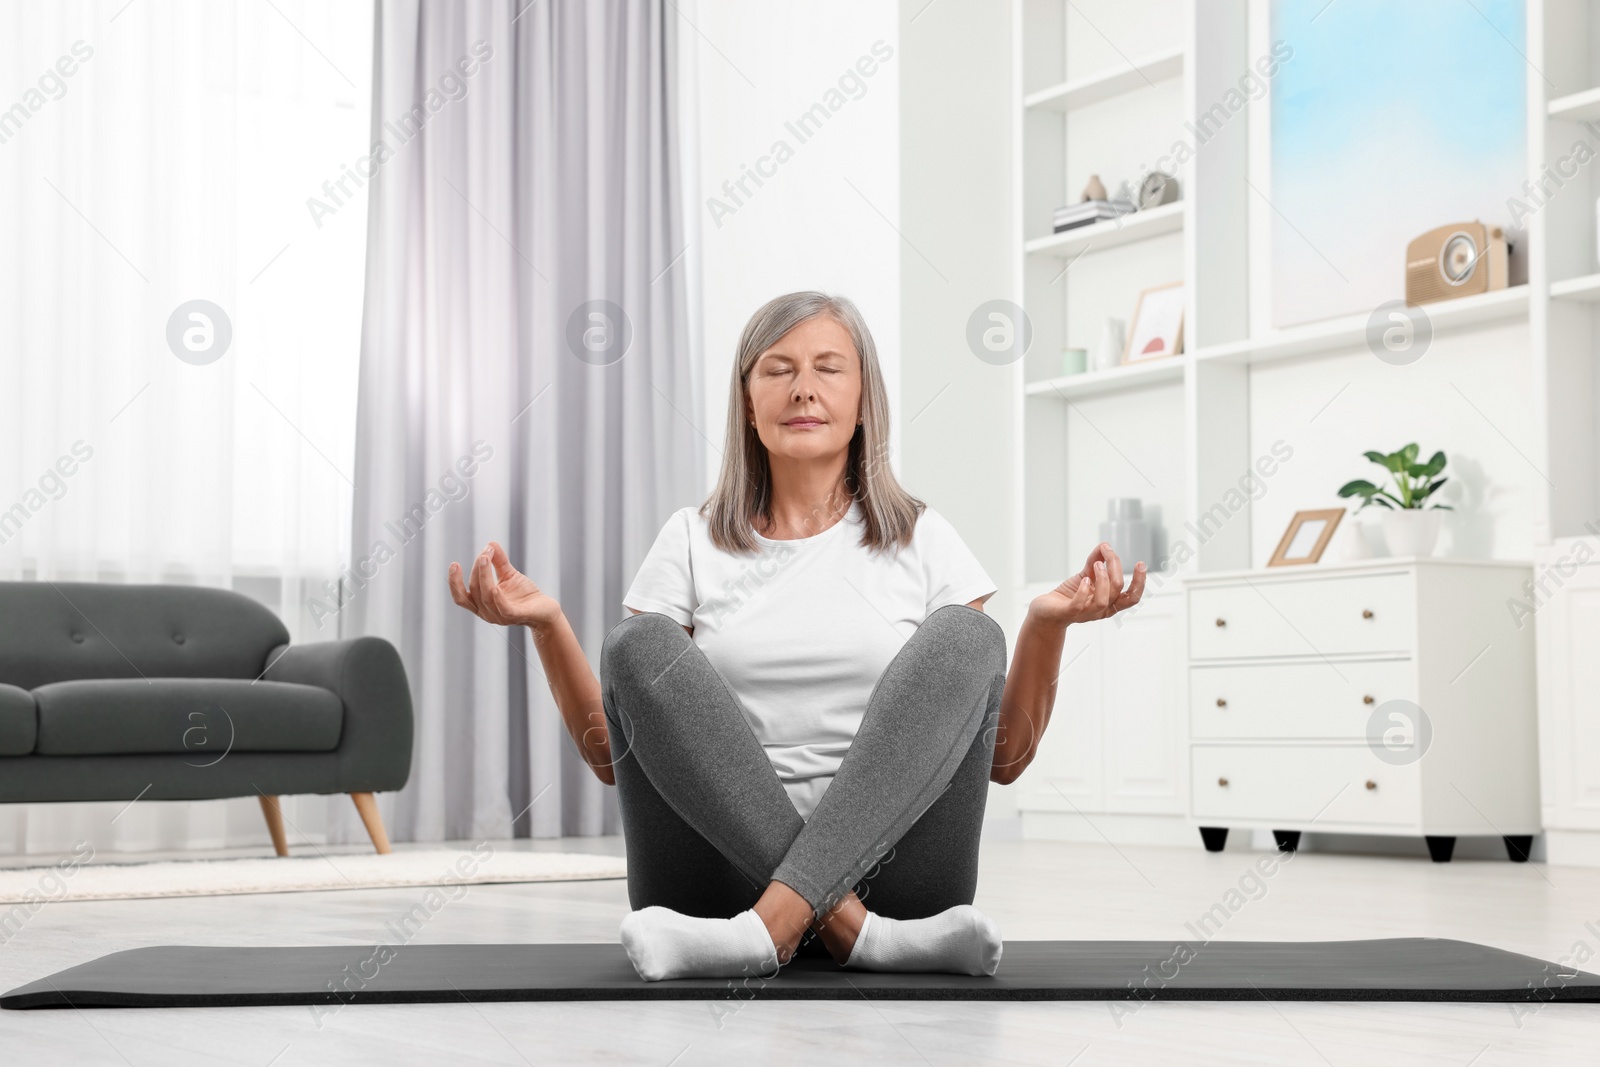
(1307, 536)
(1157, 330)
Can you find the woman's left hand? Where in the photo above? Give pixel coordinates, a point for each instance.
(1095, 592)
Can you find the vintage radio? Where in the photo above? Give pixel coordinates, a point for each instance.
(1456, 260)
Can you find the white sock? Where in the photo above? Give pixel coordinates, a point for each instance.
(958, 940)
(663, 943)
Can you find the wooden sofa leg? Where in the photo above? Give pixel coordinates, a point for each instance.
(370, 818)
(274, 814)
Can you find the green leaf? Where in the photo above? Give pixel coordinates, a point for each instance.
(1390, 462)
(1432, 487)
(1360, 485)
(1408, 454)
(1441, 507)
(1435, 465)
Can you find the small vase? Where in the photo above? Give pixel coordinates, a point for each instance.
(1411, 531)
(1352, 540)
(1113, 337)
(1127, 532)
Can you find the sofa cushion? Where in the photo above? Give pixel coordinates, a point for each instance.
(204, 718)
(64, 631)
(19, 721)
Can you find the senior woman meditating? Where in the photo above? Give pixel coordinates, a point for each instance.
(804, 711)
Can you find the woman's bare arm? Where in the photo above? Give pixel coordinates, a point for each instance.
(576, 691)
(1029, 697)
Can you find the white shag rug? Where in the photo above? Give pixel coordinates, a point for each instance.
(73, 879)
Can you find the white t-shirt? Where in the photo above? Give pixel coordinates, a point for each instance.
(803, 629)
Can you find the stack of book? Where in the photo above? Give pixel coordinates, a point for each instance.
(1072, 216)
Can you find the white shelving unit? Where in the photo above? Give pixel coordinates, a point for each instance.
(1564, 44)
(1563, 39)
(1067, 282)
(1116, 754)
(1177, 433)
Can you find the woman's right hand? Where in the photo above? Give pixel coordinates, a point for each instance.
(500, 593)
(1093, 593)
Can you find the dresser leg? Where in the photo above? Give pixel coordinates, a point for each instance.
(1288, 840)
(1518, 846)
(1214, 836)
(1440, 848)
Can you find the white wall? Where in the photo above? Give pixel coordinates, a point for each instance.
(826, 217)
(956, 205)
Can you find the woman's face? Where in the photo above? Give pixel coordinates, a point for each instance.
(805, 391)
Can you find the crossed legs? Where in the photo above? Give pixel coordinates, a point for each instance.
(710, 830)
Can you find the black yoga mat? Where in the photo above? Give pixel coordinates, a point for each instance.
(1428, 969)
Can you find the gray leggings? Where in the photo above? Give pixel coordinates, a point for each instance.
(708, 824)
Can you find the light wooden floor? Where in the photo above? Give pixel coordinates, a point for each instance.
(1034, 890)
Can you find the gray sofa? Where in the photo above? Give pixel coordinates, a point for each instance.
(161, 692)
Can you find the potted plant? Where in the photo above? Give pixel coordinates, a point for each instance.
(1411, 522)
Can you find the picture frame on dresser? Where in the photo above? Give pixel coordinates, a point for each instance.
(1306, 538)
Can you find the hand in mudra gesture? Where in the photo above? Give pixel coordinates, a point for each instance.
(1095, 592)
(500, 593)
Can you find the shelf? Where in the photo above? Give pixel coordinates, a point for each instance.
(1139, 226)
(1128, 376)
(1577, 107)
(1351, 331)
(1586, 288)
(1069, 96)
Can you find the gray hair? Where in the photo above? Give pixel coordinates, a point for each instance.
(744, 486)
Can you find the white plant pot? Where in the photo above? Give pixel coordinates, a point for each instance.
(1411, 531)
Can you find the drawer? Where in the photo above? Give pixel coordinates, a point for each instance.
(1293, 784)
(1293, 701)
(1360, 614)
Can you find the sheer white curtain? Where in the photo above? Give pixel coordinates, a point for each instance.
(541, 206)
(153, 154)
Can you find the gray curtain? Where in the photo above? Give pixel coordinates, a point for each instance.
(528, 171)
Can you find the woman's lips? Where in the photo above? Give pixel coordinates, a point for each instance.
(803, 424)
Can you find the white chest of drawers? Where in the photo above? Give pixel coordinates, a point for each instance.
(1390, 696)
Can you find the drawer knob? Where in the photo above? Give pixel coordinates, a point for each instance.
(1367, 699)
(1222, 622)
(1371, 784)
(1222, 782)
(1366, 613)
(1221, 703)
